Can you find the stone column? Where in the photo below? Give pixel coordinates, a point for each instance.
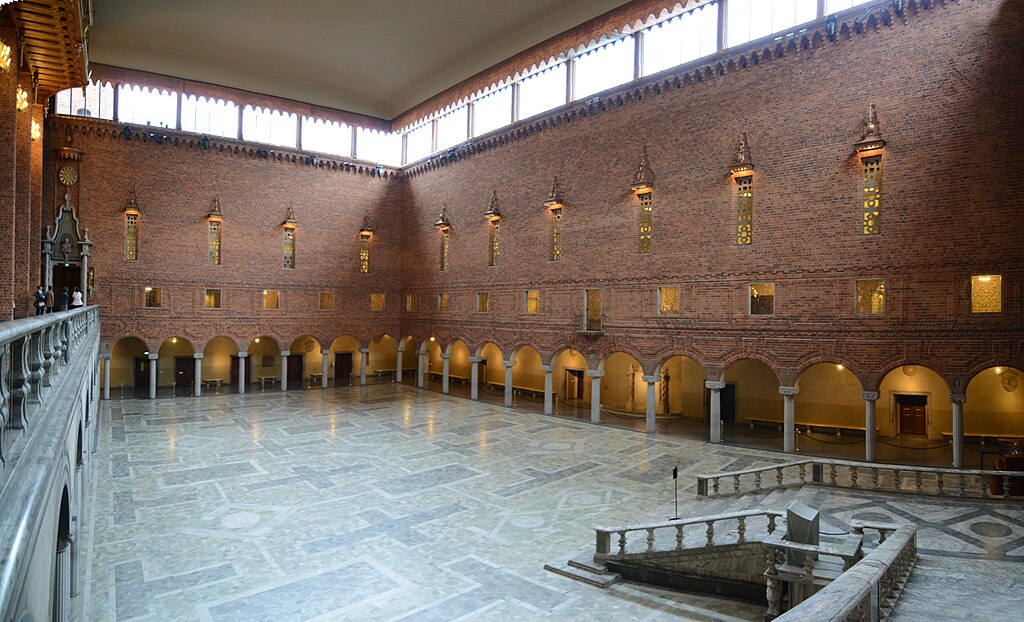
(325, 363)
(870, 435)
(444, 371)
(398, 366)
(241, 371)
(106, 375)
(198, 356)
(549, 388)
(957, 400)
(284, 369)
(364, 360)
(652, 402)
(716, 386)
(420, 360)
(62, 585)
(788, 418)
(595, 394)
(474, 377)
(153, 364)
(508, 381)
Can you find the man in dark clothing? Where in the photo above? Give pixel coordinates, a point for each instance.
(63, 306)
(40, 301)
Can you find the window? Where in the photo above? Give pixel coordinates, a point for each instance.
(269, 126)
(556, 234)
(214, 242)
(271, 299)
(97, 102)
(646, 220)
(532, 300)
(143, 106)
(364, 254)
(212, 298)
(419, 143)
(153, 298)
(376, 302)
(744, 209)
(987, 293)
(831, 6)
(492, 111)
(445, 235)
(492, 246)
(872, 193)
(681, 39)
(214, 117)
(748, 20)
(542, 91)
(483, 303)
(410, 302)
(289, 248)
(762, 299)
(453, 128)
(442, 301)
(326, 136)
(376, 146)
(668, 301)
(592, 299)
(131, 237)
(326, 301)
(605, 67)
(870, 296)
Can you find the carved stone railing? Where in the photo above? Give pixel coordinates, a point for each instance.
(970, 483)
(47, 365)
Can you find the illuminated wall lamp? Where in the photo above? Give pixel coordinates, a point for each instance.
(366, 231)
(37, 131)
(215, 214)
(554, 197)
(21, 99)
(493, 214)
(5, 57)
(743, 165)
(131, 206)
(870, 143)
(289, 220)
(643, 180)
(442, 223)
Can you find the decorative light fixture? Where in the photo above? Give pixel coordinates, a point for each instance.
(21, 99)
(998, 370)
(289, 219)
(37, 131)
(643, 180)
(264, 293)
(215, 213)
(871, 138)
(839, 367)
(493, 214)
(366, 231)
(909, 370)
(743, 164)
(149, 289)
(433, 339)
(5, 57)
(442, 223)
(131, 206)
(257, 340)
(555, 200)
(174, 340)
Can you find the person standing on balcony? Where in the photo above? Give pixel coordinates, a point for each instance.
(49, 299)
(40, 301)
(63, 306)
(76, 298)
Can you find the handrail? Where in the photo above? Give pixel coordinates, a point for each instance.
(968, 483)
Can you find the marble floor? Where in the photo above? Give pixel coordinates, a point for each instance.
(386, 502)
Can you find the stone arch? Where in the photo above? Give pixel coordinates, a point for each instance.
(995, 403)
(220, 361)
(123, 360)
(757, 406)
(571, 383)
(622, 387)
(681, 386)
(912, 385)
(346, 359)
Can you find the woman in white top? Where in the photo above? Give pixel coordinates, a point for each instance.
(76, 299)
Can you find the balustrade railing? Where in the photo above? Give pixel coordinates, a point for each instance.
(968, 483)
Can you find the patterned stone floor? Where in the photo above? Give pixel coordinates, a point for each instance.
(389, 503)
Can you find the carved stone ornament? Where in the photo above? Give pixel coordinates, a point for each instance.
(742, 160)
(493, 213)
(131, 205)
(442, 223)
(289, 219)
(871, 135)
(215, 212)
(643, 180)
(66, 244)
(554, 196)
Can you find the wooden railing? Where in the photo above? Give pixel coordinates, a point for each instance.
(969, 483)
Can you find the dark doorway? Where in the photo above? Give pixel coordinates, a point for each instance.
(142, 364)
(296, 365)
(234, 370)
(727, 402)
(573, 389)
(342, 368)
(483, 372)
(65, 275)
(184, 375)
(913, 410)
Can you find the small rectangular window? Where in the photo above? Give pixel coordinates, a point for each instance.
(872, 194)
(986, 293)
(289, 248)
(131, 237)
(646, 224)
(376, 302)
(271, 299)
(153, 298)
(744, 210)
(762, 299)
(668, 301)
(212, 298)
(410, 302)
(214, 242)
(532, 300)
(593, 302)
(326, 301)
(870, 296)
(483, 302)
(442, 301)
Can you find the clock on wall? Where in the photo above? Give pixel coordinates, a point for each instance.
(68, 175)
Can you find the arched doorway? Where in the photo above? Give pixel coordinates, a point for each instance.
(994, 412)
(176, 368)
(129, 368)
(571, 384)
(830, 417)
(751, 406)
(491, 372)
(265, 353)
(345, 350)
(527, 378)
(382, 359)
(623, 392)
(459, 371)
(304, 363)
(434, 365)
(220, 365)
(409, 360)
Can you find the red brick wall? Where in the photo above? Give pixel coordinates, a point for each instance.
(8, 129)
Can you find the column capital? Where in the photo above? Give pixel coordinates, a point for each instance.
(595, 373)
(869, 396)
(400, 350)
(197, 355)
(285, 353)
(788, 391)
(475, 359)
(508, 363)
(153, 356)
(242, 354)
(957, 398)
(650, 379)
(715, 385)
(324, 352)
(105, 355)
(445, 356)
(364, 350)
(547, 369)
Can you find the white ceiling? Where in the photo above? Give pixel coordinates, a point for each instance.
(379, 58)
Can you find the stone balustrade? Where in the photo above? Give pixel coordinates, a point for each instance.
(968, 483)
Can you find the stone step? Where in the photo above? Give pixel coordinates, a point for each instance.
(598, 579)
(586, 562)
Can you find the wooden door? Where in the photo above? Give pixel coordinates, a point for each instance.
(913, 413)
(142, 376)
(296, 367)
(342, 368)
(234, 370)
(184, 375)
(573, 384)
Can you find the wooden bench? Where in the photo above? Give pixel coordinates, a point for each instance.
(980, 437)
(500, 386)
(809, 426)
(263, 380)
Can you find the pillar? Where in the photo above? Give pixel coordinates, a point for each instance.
(364, 360)
(325, 363)
(716, 386)
(198, 356)
(106, 375)
(444, 371)
(595, 394)
(62, 585)
(652, 402)
(241, 371)
(788, 418)
(508, 381)
(153, 364)
(420, 360)
(870, 424)
(398, 365)
(957, 400)
(284, 369)
(474, 377)
(549, 388)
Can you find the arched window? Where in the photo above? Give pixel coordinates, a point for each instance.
(681, 39)
(492, 111)
(604, 67)
(326, 136)
(380, 147)
(215, 117)
(144, 106)
(542, 91)
(269, 126)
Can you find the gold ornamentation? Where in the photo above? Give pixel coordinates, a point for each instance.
(68, 175)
